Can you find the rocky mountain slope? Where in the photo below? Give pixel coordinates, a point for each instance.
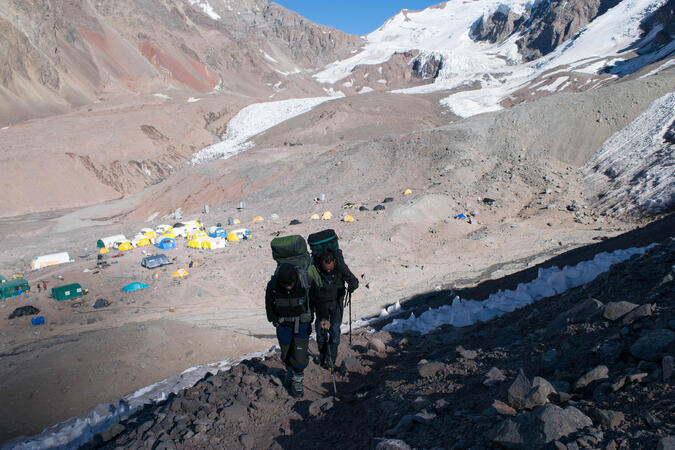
(67, 53)
(591, 368)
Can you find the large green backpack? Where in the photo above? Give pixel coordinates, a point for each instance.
(293, 250)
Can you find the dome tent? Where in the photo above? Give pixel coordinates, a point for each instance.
(166, 243)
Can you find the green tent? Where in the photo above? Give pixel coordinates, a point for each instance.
(66, 292)
(11, 287)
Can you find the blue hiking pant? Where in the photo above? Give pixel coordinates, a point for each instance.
(294, 347)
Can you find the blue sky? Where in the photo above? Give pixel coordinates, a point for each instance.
(352, 16)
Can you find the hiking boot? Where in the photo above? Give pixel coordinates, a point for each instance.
(289, 376)
(296, 385)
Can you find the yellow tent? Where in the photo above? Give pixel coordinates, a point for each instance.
(407, 192)
(206, 245)
(314, 217)
(170, 234)
(193, 244)
(143, 242)
(149, 233)
(236, 221)
(232, 237)
(103, 251)
(258, 219)
(197, 234)
(125, 246)
(347, 218)
(180, 273)
(327, 215)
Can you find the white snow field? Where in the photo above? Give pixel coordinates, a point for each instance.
(550, 281)
(444, 31)
(634, 170)
(253, 120)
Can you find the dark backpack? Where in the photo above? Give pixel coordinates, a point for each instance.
(326, 239)
(293, 250)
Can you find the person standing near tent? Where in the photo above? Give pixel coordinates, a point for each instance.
(290, 307)
(330, 303)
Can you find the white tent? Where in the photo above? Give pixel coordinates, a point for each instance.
(213, 243)
(50, 260)
(110, 241)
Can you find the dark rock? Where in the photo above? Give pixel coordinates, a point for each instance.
(598, 373)
(637, 377)
(638, 313)
(249, 379)
(616, 310)
(442, 405)
(247, 441)
(611, 350)
(379, 208)
(420, 402)
(294, 222)
(392, 444)
(363, 208)
(101, 303)
(667, 367)
(190, 406)
(666, 443)
(352, 365)
(321, 405)
(237, 412)
(619, 383)
(429, 369)
(405, 424)
(608, 418)
(583, 312)
(651, 420)
(652, 345)
(466, 354)
(388, 199)
(503, 409)
(377, 345)
(518, 391)
(424, 416)
(540, 427)
(561, 386)
(24, 311)
(494, 376)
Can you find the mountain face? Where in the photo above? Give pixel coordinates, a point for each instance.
(64, 53)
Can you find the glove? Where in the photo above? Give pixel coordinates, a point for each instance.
(352, 285)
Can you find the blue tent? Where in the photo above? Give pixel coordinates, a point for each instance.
(134, 286)
(217, 232)
(166, 244)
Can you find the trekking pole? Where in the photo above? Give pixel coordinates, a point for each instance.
(349, 300)
(326, 335)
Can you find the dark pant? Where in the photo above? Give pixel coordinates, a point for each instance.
(328, 342)
(294, 346)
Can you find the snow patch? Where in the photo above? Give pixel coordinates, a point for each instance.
(550, 281)
(164, 96)
(206, 7)
(193, 100)
(152, 217)
(634, 170)
(554, 86)
(253, 120)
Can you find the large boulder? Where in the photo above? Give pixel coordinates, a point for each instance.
(595, 374)
(540, 427)
(652, 345)
(616, 310)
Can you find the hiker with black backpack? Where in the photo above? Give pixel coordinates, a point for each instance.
(331, 299)
(290, 303)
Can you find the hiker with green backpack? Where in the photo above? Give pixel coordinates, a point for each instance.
(290, 303)
(334, 273)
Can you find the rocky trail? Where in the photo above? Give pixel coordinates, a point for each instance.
(590, 368)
